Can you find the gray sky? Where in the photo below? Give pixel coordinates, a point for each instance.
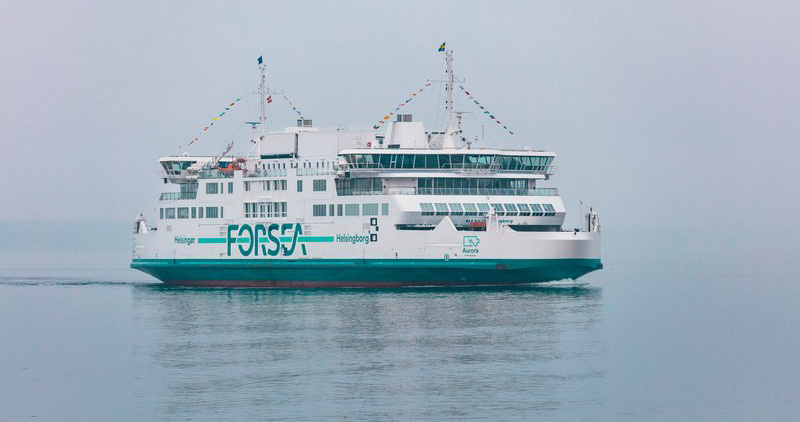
(678, 120)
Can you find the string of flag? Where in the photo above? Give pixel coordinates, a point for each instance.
(291, 104)
(485, 111)
(215, 120)
(389, 116)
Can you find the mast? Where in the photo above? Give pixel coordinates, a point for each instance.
(262, 93)
(448, 141)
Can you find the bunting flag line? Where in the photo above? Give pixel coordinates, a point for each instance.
(491, 116)
(293, 107)
(215, 119)
(389, 116)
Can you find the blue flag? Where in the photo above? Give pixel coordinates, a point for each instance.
(260, 60)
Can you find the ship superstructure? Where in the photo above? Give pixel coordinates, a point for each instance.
(331, 208)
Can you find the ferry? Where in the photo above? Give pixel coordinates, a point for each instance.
(310, 207)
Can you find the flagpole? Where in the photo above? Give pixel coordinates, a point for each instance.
(448, 142)
(262, 118)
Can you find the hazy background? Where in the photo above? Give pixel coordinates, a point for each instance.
(677, 120)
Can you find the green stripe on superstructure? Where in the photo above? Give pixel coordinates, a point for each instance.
(211, 240)
(315, 239)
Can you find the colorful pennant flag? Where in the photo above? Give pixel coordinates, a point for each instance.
(260, 60)
(442, 47)
(215, 119)
(293, 107)
(491, 116)
(413, 95)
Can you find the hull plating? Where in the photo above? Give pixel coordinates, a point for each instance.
(308, 273)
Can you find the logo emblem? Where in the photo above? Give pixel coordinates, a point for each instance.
(471, 241)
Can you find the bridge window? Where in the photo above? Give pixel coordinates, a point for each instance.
(483, 208)
(549, 210)
(524, 210)
(498, 209)
(427, 208)
(537, 209)
(441, 209)
(455, 209)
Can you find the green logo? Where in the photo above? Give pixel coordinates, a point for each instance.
(471, 241)
(471, 245)
(250, 239)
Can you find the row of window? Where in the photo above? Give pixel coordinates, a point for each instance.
(511, 210)
(323, 210)
(264, 209)
(319, 185)
(448, 161)
(474, 183)
(213, 188)
(265, 185)
(194, 212)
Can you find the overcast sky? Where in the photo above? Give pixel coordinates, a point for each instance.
(678, 120)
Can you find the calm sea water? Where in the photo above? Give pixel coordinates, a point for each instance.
(632, 342)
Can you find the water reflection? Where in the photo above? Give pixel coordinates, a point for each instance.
(427, 353)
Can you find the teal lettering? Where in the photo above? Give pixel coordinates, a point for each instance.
(260, 229)
(249, 230)
(231, 227)
(274, 239)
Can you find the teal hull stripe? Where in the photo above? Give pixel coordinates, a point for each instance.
(367, 271)
(306, 239)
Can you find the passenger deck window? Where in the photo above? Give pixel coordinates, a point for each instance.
(351, 209)
(498, 209)
(470, 209)
(455, 209)
(511, 209)
(370, 209)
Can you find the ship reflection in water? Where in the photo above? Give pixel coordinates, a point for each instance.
(426, 353)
